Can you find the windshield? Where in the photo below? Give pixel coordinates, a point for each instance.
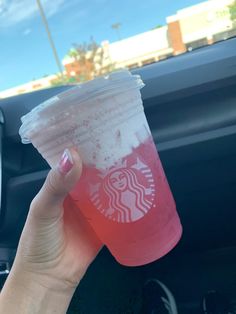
(48, 43)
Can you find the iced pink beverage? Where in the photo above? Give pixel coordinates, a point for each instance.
(123, 191)
(131, 206)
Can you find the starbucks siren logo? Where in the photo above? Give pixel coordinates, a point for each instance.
(125, 194)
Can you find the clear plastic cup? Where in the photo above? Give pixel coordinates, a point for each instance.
(123, 191)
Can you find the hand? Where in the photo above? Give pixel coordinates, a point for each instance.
(57, 245)
(55, 249)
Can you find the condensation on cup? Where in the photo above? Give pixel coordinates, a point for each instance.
(123, 192)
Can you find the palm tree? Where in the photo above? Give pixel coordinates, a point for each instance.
(232, 11)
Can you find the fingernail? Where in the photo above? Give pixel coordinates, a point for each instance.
(66, 162)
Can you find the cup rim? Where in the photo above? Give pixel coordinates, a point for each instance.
(116, 82)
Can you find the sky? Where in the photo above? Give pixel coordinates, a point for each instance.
(25, 53)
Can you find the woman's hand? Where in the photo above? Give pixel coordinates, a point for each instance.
(56, 245)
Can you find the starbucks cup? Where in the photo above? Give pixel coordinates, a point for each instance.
(123, 191)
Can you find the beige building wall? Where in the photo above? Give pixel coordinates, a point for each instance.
(41, 83)
(204, 20)
(153, 44)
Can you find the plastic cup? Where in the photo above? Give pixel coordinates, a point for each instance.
(123, 191)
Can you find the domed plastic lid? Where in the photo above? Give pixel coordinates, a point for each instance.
(114, 83)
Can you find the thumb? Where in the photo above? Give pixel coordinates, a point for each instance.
(48, 203)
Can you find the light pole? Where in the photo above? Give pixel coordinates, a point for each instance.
(116, 27)
(43, 16)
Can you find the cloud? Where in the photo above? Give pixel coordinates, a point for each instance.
(15, 11)
(27, 31)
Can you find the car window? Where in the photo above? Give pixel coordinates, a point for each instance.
(48, 43)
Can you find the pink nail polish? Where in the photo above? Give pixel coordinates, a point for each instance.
(66, 162)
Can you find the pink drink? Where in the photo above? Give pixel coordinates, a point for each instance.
(123, 191)
(131, 207)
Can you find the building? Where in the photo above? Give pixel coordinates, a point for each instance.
(41, 83)
(199, 25)
(190, 28)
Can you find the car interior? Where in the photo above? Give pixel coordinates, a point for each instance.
(190, 104)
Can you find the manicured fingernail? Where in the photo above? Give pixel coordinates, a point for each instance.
(66, 162)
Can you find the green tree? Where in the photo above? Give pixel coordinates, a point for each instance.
(157, 26)
(90, 60)
(232, 11)
(65, 80)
